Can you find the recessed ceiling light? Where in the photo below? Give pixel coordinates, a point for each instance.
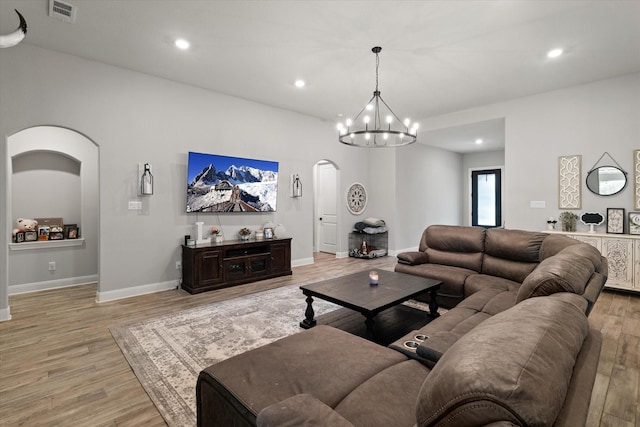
(182, 44)
(299, 83)
(554, 53)
(478, 141)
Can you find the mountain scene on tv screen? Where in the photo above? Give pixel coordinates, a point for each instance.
(237, 189)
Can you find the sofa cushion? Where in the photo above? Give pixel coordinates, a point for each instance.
(511, 254)
(386, 399)
(531, 349)
(515, 245)
(413, 258)
(452, 277)
(454, 245)
(563, 272)
(508, 269)
(480, 282)
(585, 251)
(324, 361)
(300, 410)
(554, 243)
(453, 238)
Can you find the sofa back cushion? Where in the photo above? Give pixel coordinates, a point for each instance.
(514, 367)
(554, 243)
(457, 246)
(511, 254)
(564, 272)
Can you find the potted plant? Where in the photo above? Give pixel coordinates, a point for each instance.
(244, 233)
(216, 234)
(568, 220)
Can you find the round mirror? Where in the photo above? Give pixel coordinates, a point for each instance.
(606, 180)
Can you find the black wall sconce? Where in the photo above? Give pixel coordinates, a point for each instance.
(146, 180)
(296, 186)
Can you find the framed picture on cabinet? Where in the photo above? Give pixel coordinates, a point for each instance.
(634, 222)
(30, 236)
(20, 237)
(615, 220)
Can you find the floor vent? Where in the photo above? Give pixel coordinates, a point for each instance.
(63, 11)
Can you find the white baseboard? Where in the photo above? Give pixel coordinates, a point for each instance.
(135, 291)
(342, 254)
(301, 262)
(5, 314)
(52, 284)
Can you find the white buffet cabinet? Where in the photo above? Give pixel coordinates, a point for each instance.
(622, 252)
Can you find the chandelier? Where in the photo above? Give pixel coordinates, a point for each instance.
(376, 125)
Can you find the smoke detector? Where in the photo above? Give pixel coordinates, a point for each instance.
(63, 11)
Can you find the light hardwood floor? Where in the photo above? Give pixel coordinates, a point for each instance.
(59, 365)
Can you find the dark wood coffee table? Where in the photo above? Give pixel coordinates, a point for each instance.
(355, 292)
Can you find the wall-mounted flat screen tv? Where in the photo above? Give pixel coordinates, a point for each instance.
(231, 184)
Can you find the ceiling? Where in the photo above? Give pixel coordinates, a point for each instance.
(437, 56)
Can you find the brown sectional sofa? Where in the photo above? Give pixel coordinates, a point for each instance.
(517, 350)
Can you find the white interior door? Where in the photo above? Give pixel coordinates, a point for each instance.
(327, 208)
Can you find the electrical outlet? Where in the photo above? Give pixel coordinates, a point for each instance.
(178, 265)
(52, 266)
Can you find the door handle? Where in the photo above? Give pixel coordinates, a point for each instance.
(320, 218)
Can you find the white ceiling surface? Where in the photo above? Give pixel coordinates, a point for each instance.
(437, 56)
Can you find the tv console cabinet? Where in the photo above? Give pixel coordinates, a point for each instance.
(234, 262)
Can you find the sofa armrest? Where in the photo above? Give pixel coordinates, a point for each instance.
(299, 410)
(413, 258)
(434, 347)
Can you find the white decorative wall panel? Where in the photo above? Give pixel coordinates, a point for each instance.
(570, 182)
(636, 178)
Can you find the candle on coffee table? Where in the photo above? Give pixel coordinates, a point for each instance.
(373, 277)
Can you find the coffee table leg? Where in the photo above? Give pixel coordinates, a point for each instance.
(309, 321)
(369, 324)
(433, 302)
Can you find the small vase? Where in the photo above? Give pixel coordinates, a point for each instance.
(569, 225)
(244, 237)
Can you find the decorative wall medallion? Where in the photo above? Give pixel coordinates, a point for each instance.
(356, 198)
(636, 176)
(569, 182)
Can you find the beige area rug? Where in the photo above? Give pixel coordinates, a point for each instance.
(167, 353)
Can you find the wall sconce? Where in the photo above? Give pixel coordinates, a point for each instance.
(296, 186)
(146, 179)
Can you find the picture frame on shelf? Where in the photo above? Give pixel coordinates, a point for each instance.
(71, 231)
(615, 220)
(30, 236)
(634, 223)
(56, 235)
(268, 233)
(43, 232)
(19, 236)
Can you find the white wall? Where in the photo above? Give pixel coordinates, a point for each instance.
(136, 118)
(587, 119)
(428, 191)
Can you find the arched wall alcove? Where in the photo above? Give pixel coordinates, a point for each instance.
(53, 172)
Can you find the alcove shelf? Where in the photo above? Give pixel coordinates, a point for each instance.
(45, 244)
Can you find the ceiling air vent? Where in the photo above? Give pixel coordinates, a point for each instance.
(63, 11)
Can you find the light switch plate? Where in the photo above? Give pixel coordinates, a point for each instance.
(538, 204)
(135, 205)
